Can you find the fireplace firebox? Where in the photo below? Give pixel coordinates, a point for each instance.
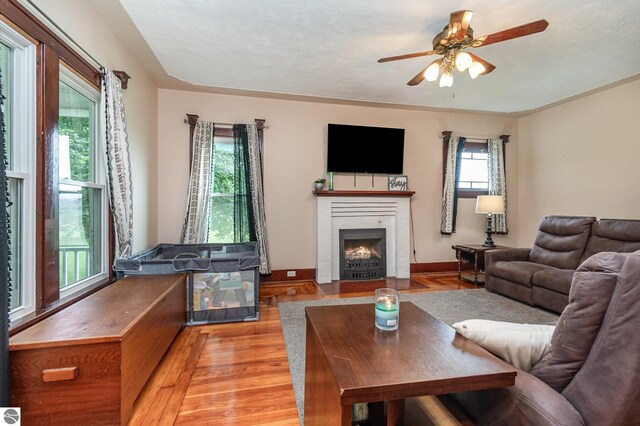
(363, 254)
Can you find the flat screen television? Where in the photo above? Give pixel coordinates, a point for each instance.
(363, 149)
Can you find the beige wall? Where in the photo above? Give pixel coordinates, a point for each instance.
(84, 25)
(295, 155)
(580, 158)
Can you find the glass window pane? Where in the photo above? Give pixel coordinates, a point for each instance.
(80, 233)
(223, 163)
(76, 131)
(15, 214)
(221, 220)
(5, 66)
(463, 184)
(474, 170)
(480, 156)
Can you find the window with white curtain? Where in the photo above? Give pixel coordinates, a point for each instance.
(18, 63)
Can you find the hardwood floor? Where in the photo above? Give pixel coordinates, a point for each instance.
(238, 373)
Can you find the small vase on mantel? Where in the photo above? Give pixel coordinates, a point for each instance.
(318, 185)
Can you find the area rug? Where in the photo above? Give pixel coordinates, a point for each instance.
(447, 306)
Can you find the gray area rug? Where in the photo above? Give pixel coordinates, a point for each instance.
(447, 306)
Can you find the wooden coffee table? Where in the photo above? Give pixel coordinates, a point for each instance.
(349, 361)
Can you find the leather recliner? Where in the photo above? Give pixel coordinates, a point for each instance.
(602, 386)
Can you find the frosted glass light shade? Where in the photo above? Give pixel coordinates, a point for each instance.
(490, 204)
(432, 71)
(446, 80)
(463, 61)
(476, 69)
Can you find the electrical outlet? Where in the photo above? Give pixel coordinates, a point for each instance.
(291, 274)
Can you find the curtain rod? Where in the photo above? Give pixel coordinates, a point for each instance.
(186, 120)
(216, 124)
(69, 38)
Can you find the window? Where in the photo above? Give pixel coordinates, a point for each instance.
(474, 170)
(227, 195)
(81, 196)
(60, 225)
(18, 63)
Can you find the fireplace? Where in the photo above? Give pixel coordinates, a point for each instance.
(363, 254)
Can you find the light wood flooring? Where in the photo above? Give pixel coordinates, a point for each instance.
(237, 373)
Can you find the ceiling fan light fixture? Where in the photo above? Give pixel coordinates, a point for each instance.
(476, 69)
(463, 61)
(432, 71)
(446, 80)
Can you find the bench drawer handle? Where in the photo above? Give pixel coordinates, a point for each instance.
(59, 374)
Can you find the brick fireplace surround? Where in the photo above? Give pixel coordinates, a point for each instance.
(338, 210)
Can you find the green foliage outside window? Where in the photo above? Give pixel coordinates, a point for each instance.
(221, 214)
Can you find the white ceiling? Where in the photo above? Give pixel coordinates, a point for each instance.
(329, 48)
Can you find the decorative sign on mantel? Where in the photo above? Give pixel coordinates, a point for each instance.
(398, 183)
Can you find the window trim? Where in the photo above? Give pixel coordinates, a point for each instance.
(23, 162)
(97, 178)
(51, 49)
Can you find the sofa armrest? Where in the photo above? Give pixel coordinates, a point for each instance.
(521, 254)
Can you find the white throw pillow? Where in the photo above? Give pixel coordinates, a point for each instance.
(521, 345)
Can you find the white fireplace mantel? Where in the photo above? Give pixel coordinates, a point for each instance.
(338, 210)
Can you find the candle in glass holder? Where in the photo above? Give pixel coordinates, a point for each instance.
(387, 302)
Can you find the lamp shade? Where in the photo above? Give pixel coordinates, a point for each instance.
(490, 204)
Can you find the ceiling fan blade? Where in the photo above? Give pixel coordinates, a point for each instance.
(418, 78)
(487, 66)
(407, 56)
(521, 31)
(458, 24)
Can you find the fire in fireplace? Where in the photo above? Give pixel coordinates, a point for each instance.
(362, 254)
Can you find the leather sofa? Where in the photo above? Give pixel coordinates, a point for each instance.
(591, 376)
(542, 275)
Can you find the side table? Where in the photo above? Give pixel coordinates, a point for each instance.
(472, 254)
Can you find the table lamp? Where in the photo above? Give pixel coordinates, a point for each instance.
(490, 205)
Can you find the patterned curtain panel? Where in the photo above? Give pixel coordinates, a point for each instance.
(243, 224)
(257, 197)
(118, 164)
(196, 223)
(5, 278)
(450, 191)
(497, 182)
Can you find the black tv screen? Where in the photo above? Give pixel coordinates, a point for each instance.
(363, 149)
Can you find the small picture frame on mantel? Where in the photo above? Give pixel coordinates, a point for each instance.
(398, 183)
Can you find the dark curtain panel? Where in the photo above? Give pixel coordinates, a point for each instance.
(243, 222)
(461, 142)
(5, 281)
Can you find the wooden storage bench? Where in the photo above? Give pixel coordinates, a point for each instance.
(87, 363)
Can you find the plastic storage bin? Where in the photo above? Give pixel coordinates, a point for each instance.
(223, 282)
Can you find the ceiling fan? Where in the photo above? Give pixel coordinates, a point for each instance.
(451, 42)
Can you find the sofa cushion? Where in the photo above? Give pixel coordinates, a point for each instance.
(615, 235)
(508, 288)
(606, 390)
(561, 241)
(579, 323)
(549, 299)
(558, 280)
(521, 345)
(516, 271)
(529, 402)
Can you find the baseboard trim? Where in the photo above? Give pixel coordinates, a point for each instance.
(310, 274)
(281, 275)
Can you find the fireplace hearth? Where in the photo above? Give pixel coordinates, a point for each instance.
(362, 254)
